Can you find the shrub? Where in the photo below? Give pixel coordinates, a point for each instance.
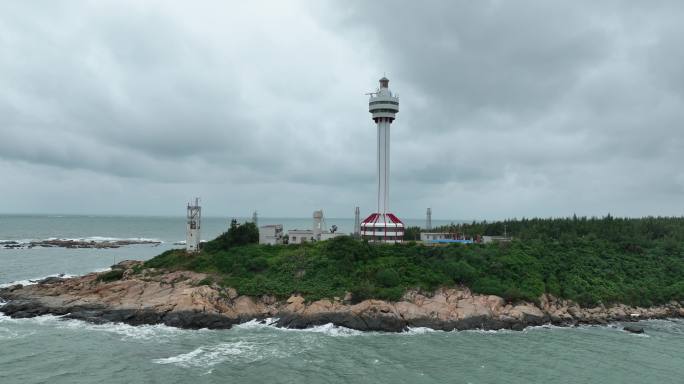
(347, 249)
(237, 235)
(257, 264)
(461, 272)
(206, 281)
(114, 274)
(362, 291)
(168, 259)
(387, 277)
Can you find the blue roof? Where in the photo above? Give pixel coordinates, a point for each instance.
(450, 241)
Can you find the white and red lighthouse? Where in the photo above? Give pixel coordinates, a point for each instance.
(383, 226)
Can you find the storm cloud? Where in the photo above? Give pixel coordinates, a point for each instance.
(508, 109)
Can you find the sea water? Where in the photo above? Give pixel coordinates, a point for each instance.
(49, 349)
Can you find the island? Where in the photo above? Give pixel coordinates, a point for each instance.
(554, 271)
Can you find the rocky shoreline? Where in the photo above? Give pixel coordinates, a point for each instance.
(71, 243)
(188, 300)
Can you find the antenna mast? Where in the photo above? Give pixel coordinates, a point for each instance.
(194, 216)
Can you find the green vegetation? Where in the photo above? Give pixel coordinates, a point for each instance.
(114, 274)
(206, 281)
(589, 260)
(412, 234)
(237, 234)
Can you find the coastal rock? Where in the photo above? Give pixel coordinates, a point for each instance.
(528, 314)
(178, 299)
(127, 264)
(51, 280)
(634, 329)
(294, 304)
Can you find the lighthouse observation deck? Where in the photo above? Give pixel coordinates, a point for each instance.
(383, 104)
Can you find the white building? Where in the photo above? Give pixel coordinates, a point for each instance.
(317, 233)
(271, 234)
(298, 236)
(428, 236)
(444, 238)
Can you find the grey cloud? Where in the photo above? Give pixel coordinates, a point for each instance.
(507, 108)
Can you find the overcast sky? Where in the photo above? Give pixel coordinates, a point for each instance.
(508, 108)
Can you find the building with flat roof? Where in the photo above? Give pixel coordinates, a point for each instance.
(271, 234)
(445, 238)
(299, 236)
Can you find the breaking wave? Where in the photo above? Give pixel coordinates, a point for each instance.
(210, 355)
(326, 329)
(157, 332)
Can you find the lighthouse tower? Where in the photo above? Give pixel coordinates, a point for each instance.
(383, 226)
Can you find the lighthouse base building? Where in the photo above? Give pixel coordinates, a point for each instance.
(382, 228)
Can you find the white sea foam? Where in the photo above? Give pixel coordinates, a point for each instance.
(331, 330)
(210, 355)
(157, 332)
(8, 333)
(256, 324)
(38, 320)
(328, 329)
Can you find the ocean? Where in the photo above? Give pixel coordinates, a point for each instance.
(48, 349)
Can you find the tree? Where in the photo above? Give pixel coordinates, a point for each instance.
(237, 234)
(412, 233)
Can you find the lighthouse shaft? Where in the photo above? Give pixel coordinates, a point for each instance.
(384, 106)
(383, 165)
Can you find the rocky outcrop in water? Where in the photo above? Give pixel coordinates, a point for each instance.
(70, 243)
(634, 329)
(189, 300)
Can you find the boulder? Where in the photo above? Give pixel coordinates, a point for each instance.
(634, 329)
(51, 280)
(295, 303)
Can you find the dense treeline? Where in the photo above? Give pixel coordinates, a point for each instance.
(606, 260)
(608, 228)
